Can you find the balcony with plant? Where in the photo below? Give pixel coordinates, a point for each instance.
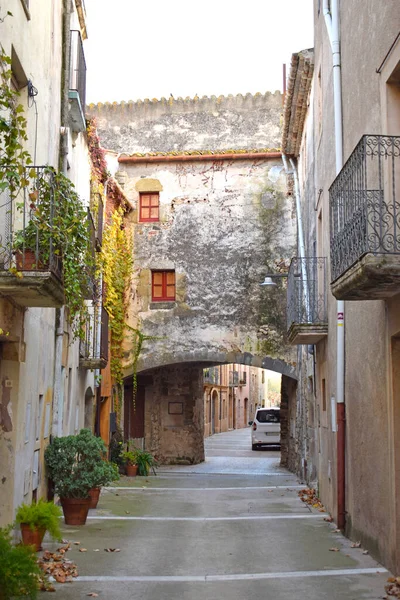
(46, 257)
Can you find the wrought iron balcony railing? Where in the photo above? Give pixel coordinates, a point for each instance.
(94, 345)
(365, 208)
(25, 244)
(77, 82)
(211, 375)
(233, 378)
(307, 318)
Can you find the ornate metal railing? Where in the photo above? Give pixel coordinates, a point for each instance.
(211, 375)
(77, 79)
(26, 222)
(306, 293)
(364, 209)
(233, 378)
(94, 345)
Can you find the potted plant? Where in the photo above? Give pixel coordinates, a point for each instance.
(103, 474)
(145, 462)
(71, 462)
(35, 519)
(57, 232)
(129, 458)
(19, 570)
(140, 459)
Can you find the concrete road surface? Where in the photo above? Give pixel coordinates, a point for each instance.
(232, 527)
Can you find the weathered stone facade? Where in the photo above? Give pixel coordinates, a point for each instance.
(223, 223)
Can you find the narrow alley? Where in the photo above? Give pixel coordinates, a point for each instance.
(231, 527)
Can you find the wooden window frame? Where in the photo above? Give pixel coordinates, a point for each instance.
(149, 219)
(164, 286)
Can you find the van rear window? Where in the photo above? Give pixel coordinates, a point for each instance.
(268, 416)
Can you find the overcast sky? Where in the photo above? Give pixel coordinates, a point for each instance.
(140, 49)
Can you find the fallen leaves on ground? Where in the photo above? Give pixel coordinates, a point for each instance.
(309, 496)
(356, 545)
(333, 549)
(112, 550)
(93, 594)
(392, 588)
(56, 565)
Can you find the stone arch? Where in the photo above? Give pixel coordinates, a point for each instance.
(214, 358)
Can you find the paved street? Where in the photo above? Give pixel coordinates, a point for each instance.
(232, 527)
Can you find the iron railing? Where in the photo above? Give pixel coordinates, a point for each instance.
(77, 76)
(211, 375)
(26, 222)
(364, 210)
(94, 344)
(306, 293)
(233, 378)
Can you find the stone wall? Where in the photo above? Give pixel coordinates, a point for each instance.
(174, 414)
(199, 123)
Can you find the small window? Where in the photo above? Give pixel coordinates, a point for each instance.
(149, 207)
(163, 286)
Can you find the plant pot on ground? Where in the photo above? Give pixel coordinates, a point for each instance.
(103, 474)
(19, 570)
(76, 464)
(35, 519)
(144, 461)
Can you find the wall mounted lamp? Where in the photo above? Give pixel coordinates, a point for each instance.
(270, 276)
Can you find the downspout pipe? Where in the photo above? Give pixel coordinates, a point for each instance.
(331, 16)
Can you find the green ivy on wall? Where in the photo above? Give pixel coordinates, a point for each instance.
(117, 264)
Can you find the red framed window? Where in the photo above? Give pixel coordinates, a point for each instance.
(162, 286)
(149, 207)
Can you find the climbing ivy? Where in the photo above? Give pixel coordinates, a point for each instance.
(117, 264)
(13, 156)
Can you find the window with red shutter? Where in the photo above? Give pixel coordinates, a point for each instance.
(162, 286)
(149, 205)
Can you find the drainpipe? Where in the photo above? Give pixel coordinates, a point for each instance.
(58, 397)
(331, 16)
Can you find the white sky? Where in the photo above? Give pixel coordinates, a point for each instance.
(140, 49)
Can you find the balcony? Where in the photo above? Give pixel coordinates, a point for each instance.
(93, 351)
(211, 376)
(233, 378)
(365, 221)
(307, 318)
(77, 83)
(30, 266)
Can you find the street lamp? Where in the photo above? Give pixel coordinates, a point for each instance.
(270, 276)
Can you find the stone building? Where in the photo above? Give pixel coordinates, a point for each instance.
(45, 388)
(342, 130)
(210, 216)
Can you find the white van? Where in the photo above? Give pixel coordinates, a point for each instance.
(266, 428)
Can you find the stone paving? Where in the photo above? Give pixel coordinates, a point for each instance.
(232, 527)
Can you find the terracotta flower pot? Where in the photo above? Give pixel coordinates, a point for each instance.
(94, 494)
(27, 261)
(75, 510)
(32, 537)
(131, 470)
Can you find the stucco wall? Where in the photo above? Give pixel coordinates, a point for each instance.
(367, 32)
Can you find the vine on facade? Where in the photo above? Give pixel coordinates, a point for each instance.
(13, 134)
(117, 265)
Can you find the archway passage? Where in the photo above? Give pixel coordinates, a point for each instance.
(167, 416)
